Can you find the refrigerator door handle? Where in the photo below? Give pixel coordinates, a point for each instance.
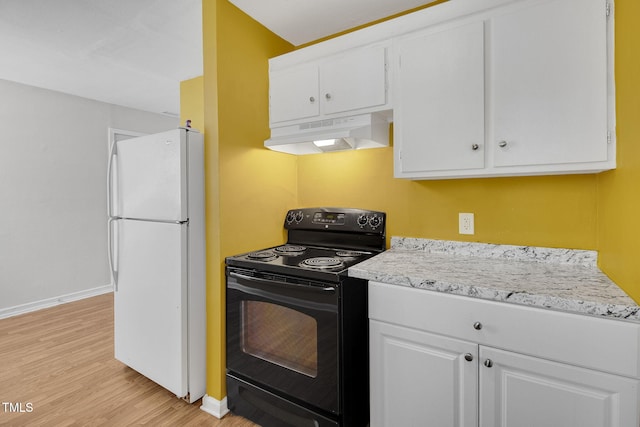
(112, 153)
(158, 221)
(114, 272)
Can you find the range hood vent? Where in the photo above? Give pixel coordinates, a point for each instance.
(344, 133)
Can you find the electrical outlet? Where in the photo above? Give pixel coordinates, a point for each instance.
(465, 223)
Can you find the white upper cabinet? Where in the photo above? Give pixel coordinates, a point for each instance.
(293, 93)
(477, 88)
(522, 89)
(353, 81)
(439, 121)
(549, 83)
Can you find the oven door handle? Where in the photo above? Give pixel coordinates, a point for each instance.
(278, 282)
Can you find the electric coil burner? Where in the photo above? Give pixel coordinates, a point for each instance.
(290, 249)
(297, 326)
(322, 262)
(262, 256)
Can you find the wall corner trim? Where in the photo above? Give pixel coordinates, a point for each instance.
(217, 408)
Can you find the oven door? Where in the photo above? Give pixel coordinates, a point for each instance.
(283, 335)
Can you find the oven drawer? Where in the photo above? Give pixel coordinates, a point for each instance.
(269, 409)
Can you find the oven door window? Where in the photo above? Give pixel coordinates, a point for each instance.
(284, 337)
(280, 335)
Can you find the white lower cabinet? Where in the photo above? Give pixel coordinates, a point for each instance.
(433, 367)
(518, 390)
(422, 379)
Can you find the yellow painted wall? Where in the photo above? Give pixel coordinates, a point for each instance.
(540, 211)
(248, 188)
(192, 102)
(215, 291)
(242, 178)
(619, 190)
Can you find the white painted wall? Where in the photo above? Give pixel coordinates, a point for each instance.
(53, 166)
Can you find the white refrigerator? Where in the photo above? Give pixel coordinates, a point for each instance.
(157, 257)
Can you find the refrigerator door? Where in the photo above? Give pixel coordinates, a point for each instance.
(150, 300)
(149, 177)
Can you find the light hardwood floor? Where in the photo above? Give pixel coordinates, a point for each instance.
(57, 366)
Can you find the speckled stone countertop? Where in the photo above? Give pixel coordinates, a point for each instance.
(560, 279)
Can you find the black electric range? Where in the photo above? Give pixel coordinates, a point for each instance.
(297, 324)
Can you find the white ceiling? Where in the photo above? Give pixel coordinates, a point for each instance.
(136, 52)
(126, 52)
(303, 21)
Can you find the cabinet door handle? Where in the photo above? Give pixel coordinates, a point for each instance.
(468, 357)
(502, 144)
(488, 363)
(328, 96)
(477, 326)
(474, 147)
(312, 99)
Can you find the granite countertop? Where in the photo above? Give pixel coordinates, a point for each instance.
(560, 279)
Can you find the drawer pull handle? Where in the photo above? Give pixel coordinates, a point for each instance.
(468, 357)
(502, 144)
(312, 99)
(477, 326)
(488, 363)
(474, 147)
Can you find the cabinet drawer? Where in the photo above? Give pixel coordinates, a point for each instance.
(597, 343)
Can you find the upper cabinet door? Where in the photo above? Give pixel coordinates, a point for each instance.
(354, 80)
(293, 93)
(439, 101)
(549, 83)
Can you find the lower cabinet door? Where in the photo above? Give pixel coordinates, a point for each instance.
(421, 379)
(523, 391)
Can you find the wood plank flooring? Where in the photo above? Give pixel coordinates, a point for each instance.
(57, 369)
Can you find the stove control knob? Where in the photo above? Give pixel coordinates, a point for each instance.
(290, 217)
(375, 221)
(299, 216)
(362, 220)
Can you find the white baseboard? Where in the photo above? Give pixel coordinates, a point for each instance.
(217, 408)
(50, 302)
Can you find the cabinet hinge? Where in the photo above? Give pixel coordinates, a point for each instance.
(608, 137)
(399, 154)
(608, 9)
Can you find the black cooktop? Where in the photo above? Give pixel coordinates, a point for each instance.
(322, 243)
(307, 261)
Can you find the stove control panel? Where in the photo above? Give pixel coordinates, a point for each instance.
(336, 219)
(332, 218)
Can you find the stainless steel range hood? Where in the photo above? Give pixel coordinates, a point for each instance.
(344, 133)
